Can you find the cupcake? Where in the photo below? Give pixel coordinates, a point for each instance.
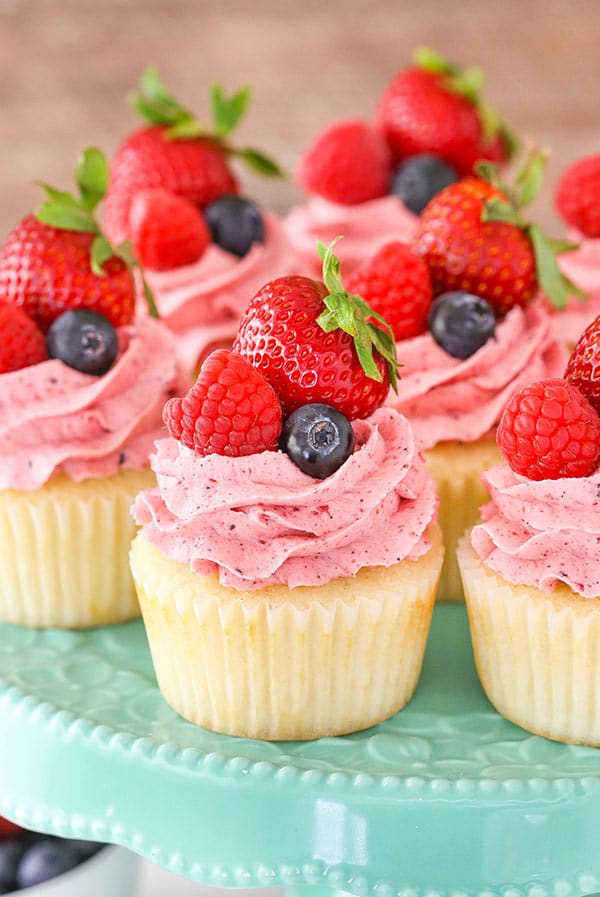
(531, 567)
(577, 199)
(204, 248)
(287, 591)
(465, 354)
(369, 182)
(83, 387)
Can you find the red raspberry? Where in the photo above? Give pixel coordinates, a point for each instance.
(167, 231)
(577, 195)
(583, 368)
(549, 430)
(348, 163)
(21, 341)
(396, 284)
(230, 410)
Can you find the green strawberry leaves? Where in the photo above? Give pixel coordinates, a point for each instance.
(66, 211)
(353, 315)
(527, 185)
(158, 106)
(468, 83)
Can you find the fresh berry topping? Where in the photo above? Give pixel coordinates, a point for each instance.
(235, 224)
(583, 368)
(178, 153)
(59, 259)
(315, 342)
(473, 237)
(21, 344)
(461, 323)
(549, 430)
(577, 196)
(8, 828)
(84, 340)
(348, 163)
(230, 410)
(318, 439)
(46, 859)
(419, 178)
(167, 231)
(396, 284)
(435, 107)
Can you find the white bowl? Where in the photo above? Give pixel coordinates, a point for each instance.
(109, 873)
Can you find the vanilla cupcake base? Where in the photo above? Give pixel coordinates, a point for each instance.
(287, 664)
(537, 653)
(64, 551)
(456, 468)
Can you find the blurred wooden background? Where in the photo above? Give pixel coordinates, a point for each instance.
(66, 67)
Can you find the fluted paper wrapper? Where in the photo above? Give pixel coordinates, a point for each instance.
(537, 653)
(287, 664)
(64, 551)
(456, 468)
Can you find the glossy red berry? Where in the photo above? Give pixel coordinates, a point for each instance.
(549, 430)
(21, 341)
(396, 284)
(348, 163)
(230, 410)
(577, 195)
(167, 231)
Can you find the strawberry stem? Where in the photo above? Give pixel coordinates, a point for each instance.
(350, 313)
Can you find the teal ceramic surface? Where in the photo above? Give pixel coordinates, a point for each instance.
(446, 798)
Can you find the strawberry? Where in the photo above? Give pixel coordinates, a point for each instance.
(347, 163)
(473, 237)
(21, 341)
(314, 343)
(583, 367)
(230, 410)
(577, 196)
(167, 231)
(175, 152)
(549, 430)
(435, 107)
(396, 284)
(58, 260)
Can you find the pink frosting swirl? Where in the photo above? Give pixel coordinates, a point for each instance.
(538, 533)
(202, 303)
(258, 520)
(582, 266)
(449, 399)
(365, 227)
(54, 419)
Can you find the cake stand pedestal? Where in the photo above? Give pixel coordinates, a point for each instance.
(445, 798)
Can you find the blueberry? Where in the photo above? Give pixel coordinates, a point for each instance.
(10, 856)
(419, 178)
(235, 223)
(461, 323)
(318, 439)
(84, 340)
(46, 859)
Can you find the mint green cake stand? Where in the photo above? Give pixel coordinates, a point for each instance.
(446, 798)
